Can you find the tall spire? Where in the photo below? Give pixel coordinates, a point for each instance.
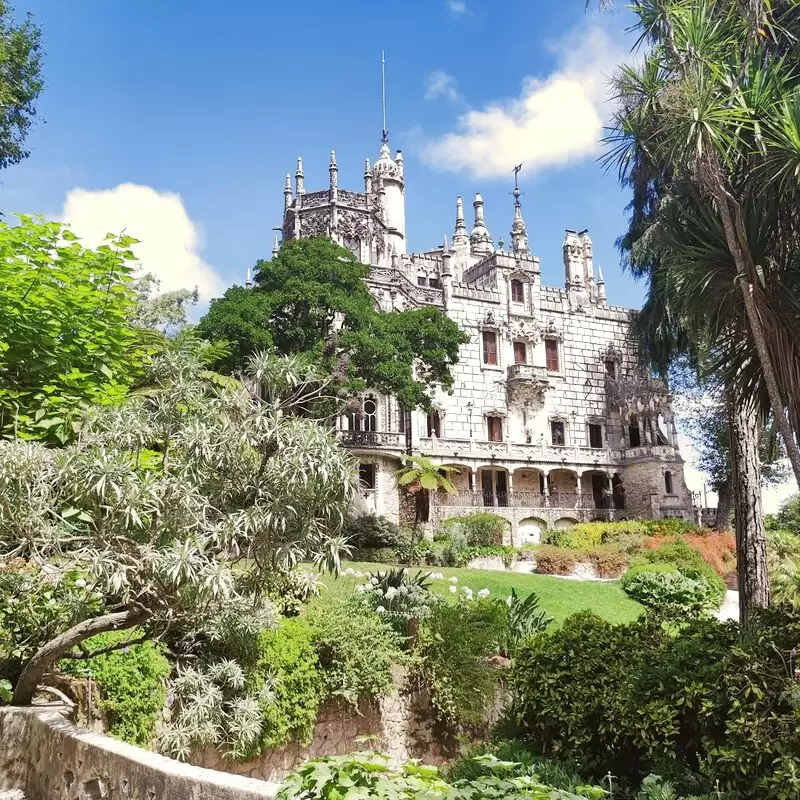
(275, 247)
(300, 186)
(601, 287)
(333, 169)
(480, 239)
(384, 131)
(287, 192)
(460, 234)
(248, 281)
(519, 232)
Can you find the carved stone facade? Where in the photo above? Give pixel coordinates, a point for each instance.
(551, 415)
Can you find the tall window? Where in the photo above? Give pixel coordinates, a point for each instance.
(668, 488)
(595, 435)
(494, 429)
(520, 353)
(517, 292)
(370, 414)
(489, 347)
(551, 355)
(634, 434)
(557, 433)
(434, 425)
(611, 368)
(366, 475)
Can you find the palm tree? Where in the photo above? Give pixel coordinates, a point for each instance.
(707, 136)
(420, 476)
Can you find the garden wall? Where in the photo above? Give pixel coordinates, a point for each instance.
(48, 758)
(401, 726)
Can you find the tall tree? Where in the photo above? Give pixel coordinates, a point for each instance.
(20, 82)
(311, 300)
(703, 136)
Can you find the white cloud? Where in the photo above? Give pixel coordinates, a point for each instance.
(169, 240)
(457, 7)
(554, 120)
(440, 84)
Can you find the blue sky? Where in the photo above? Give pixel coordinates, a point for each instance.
(208, 105)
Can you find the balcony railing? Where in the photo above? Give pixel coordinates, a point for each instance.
(478, 499)
(527, 372)
(388, 440)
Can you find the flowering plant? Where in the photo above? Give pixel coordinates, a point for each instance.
(398, 594)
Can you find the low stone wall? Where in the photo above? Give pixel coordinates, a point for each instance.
(46, 757)
(585, 571)
(401, 726)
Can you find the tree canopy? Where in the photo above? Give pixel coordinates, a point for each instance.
(311, 301)
(66, 337)
(20, 83)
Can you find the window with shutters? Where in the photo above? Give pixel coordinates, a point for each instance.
(557, 433)
(490, 347)
(595, 435)
(434, 425)
(551, 355)
(520, 353)
(517, 292)
(494, 429)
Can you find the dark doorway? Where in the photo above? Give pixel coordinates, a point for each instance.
(600, 492)
(618, 491)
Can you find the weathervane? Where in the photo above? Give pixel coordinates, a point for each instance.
(384, 132)
(516, 174)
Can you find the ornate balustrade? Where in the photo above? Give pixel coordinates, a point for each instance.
(532, 500)
(527, 372)
(384, 440)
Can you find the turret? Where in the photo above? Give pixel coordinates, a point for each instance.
(275, 247)
(460, 236)
(390, 172)
(588, 257)
(573, 259)
(333, 171)
(480, 239)
(287, 192)
(367, 177)
(299, 182)
(519, 232)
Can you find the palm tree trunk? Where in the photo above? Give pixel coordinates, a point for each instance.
(724, 506)
(736, 238)
(751, 536)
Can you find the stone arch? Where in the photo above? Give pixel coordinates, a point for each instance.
(530, 530)
(564, 523)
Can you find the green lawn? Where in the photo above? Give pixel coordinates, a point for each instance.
(560, 597)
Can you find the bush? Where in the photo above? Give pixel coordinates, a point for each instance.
(608, 561)
(479, 530)
(697, 703)
(555, 560)
(371, 532)
(671, 592)
(398, 595)
(578, 537)
(131, 682)
(687, 560)
(357, 649)
(455, 641)
(288, 661)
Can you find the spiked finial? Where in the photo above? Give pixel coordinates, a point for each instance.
(275, 247)
(480, 239)
(300, 187)
(248, 282)
(287, 192)
(460, 234)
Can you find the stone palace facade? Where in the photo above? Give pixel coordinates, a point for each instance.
(551, 419)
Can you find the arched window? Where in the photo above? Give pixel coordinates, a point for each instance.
(353, 244)
(370, 414)
(668, 482)
(517, 292)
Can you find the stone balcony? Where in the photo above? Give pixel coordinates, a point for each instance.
(527, 372)
(530, 500)
(373, 440)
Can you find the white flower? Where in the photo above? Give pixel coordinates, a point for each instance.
(467, 593)
(381, 610)
(373, 580)
(391, 592)
(453, 589)
(454, 579)
(483, 593)
(403, 589)
(508, 601)
(358, 573)
(51, 602)
(360, 588)
(80, 583)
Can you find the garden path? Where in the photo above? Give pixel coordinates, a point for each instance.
(730, 606)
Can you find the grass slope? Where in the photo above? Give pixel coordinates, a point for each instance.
(561, 597)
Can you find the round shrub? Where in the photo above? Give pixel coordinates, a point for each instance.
(131, 682)
(672, 592)
(357, 649)
(371, 531)
(687, 560)
(552, 560)
(479, 530)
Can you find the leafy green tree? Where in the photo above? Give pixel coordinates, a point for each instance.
(20, 83)
(311, 300)
(419, 476)
(66, 340)
(153, 506)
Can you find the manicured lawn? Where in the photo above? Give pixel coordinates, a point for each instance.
(561, 597)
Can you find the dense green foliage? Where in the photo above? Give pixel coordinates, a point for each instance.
(479, 530)
(367, 775)
(65, 337)
(20, 83)
(132, 684)
(356, 649)
(696, 704)
(670, 591)
(287, 654)
(311, 300)
(688, 561)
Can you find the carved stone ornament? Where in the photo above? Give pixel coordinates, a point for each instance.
(352, 224)
(611, 353)
(315, 223)
(489, 322)
(638, 395)
(494, 412)
(551, 330)
(526, 330)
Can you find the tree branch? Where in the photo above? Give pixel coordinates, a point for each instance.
(85, 653)
(47, 655)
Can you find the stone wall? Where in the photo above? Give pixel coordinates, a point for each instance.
(46, 757)
(401, 726)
